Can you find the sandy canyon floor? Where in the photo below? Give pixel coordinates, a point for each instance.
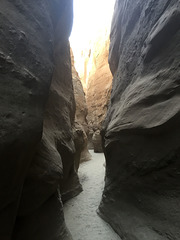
(80, 212)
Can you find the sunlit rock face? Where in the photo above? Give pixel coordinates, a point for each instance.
(81, 126)
(37, 116)
(141, 133)
(98, 86)
(97, 80)
(91, 60)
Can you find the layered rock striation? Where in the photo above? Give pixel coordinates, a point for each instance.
(37, 141)
(141, 134)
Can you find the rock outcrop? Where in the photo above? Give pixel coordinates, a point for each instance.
(37, 148)
(141, 134)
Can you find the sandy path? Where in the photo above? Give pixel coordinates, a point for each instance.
(80, 212)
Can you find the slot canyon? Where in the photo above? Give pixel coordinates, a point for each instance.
(89, 136)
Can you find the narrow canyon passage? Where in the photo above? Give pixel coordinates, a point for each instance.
(80, 212)
(78, 75)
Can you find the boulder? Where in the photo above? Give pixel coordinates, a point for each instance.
(97, 142)
(90, 143)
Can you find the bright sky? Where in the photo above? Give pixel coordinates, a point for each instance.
(90, 17)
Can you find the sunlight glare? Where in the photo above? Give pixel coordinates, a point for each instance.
(91, 18)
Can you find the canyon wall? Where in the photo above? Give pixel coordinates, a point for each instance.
(81, 124)
(98, 88)
(99, 83)
(141, 134)
(96, 79)
(37, 140)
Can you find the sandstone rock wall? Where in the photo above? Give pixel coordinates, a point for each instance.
(99, 81)
(37, 147)
(81, 126)
(141, 132)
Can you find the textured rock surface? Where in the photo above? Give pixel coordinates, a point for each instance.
(96, 79)
(141, 132)
(34, 44)
(97, 142)
(98, 85)
(99, 82)
(81, 125)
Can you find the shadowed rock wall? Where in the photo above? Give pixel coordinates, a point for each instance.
(37, 156)
(141, 132)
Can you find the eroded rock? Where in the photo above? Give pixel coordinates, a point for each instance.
(81, 126)
(99, 83)
(141, 134)
(37, 116)
(98, 86)
(97, 142)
